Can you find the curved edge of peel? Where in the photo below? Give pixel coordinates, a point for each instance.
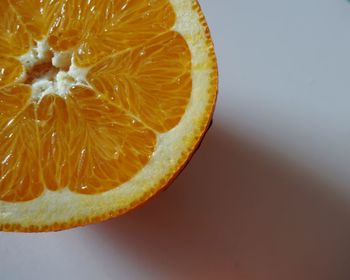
(207, 122)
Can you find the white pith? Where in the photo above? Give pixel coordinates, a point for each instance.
(62, 206)
(63, 75)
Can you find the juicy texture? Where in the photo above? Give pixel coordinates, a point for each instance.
(132, 79)
(15, 38)
(19, 146)
(10, 70)
(97, 136)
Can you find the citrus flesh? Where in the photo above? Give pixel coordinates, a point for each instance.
(102, 103)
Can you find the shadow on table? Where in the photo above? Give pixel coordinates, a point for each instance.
(237, 212)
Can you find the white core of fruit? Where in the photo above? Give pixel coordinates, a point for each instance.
(63, 74)
(40, 53)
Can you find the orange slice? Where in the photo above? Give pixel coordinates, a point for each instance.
(102, 103)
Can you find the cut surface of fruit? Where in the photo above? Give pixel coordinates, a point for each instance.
(102, 103)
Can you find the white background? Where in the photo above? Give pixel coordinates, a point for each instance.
(267, 195)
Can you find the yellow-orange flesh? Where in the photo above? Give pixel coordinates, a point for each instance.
(99, 132)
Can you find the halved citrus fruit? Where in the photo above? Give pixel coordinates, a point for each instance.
(102, 103)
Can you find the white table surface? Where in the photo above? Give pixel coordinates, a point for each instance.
(267, 195)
